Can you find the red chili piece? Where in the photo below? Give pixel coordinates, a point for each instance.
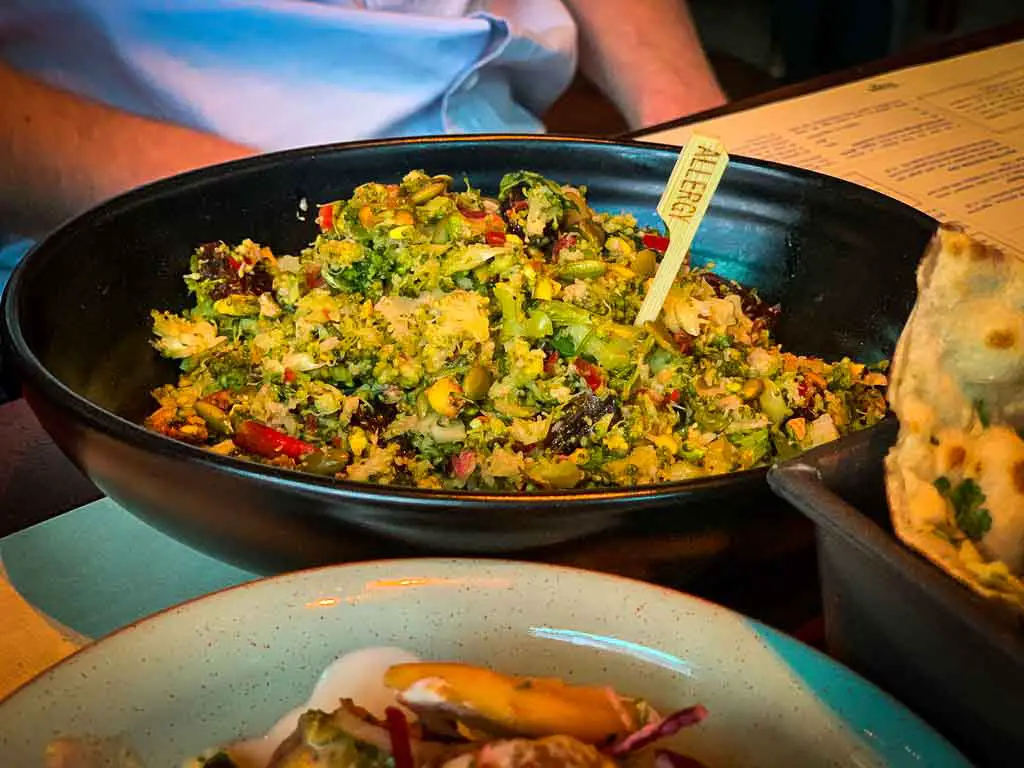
(658, 730)
(289, 375)
(590, 373)
(234, 263)
(471, 213)
(325, 217)
(401, 740)
(550, 362)
(675, 396)
(268, 442)
(655, 242)
(494, 238)
(314, 279)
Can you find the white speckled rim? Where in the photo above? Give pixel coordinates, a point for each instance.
(230, 663)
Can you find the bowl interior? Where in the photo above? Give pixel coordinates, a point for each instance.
(838, 257)
(230, 664)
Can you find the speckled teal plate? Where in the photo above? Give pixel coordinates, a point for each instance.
(230, 663)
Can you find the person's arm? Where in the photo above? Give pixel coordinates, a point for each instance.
(646, 57)
(61, 154)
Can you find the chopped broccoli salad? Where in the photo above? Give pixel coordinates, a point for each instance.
(440, 338)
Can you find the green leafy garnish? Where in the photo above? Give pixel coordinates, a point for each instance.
(525, 179)
(967, 499)
(757, 441)
(365, 276)
(564, 344)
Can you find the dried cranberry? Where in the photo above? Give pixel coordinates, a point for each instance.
(757, 309)
(684, 341)
(405, 445)
(374, 418)
(577, 421)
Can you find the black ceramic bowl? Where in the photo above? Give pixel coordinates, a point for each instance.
(839, 258)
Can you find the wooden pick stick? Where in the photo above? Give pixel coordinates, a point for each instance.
(682, 206)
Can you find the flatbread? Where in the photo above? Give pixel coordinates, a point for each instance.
(955, 477)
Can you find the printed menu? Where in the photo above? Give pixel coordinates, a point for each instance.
(946, 138)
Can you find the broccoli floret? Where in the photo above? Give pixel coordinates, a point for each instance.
(365, 277)
(757, 442)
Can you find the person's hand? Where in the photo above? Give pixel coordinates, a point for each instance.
(61, 153)
(646, 57)
(666, 96)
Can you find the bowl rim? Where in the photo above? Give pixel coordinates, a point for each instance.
(410, 562)
(32, 369)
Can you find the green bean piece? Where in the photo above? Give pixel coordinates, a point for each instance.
(214, 417)
(328, 461)
(588, 269)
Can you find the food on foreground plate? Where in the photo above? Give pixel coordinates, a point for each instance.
(462, 716)
(955, 478)
(444, 339)
(369, 712)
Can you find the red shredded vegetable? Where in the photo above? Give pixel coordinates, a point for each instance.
(401, 739)
(656, 731)
(567, 240)
(590, 373)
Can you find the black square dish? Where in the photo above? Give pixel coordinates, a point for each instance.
(900, 621)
